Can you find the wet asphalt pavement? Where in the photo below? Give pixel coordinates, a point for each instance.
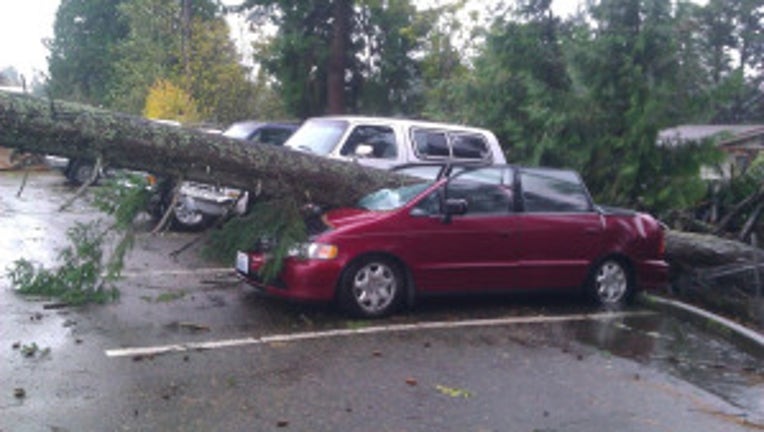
(639, 371)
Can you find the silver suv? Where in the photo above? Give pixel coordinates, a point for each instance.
(388, 142)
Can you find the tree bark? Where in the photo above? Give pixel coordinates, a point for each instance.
(341, 12)
(67, 129)
(53, 127)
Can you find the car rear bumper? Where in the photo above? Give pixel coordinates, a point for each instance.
(652, 275)
(304, 280)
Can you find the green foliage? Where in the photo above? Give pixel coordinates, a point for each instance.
(34, 350)
(83, 275)
(83, 49)
(381, 44)
(78, 278)
(214, 77)
(278, 221)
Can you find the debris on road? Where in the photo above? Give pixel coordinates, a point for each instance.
(453, 392)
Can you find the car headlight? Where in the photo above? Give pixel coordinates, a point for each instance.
(317, 251)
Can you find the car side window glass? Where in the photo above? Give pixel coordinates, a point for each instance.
(430, 144)
(469, 146)
(378, 140)
(487, 191)
(551, 191)
(274, 136)
(429, 205)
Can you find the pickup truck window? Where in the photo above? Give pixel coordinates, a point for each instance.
(469, 146)
(379, 139)
(432, 144)
(551, 191)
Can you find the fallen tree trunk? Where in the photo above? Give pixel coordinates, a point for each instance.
(73, 130)
(54, 127)
(693, 250)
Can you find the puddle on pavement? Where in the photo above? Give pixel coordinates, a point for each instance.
(682, 350)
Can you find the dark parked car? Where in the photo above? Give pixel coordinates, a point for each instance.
(487, 229)
(273, 133)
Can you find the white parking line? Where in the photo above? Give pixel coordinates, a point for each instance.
(293, 337)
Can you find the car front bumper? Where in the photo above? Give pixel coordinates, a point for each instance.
(309, 280)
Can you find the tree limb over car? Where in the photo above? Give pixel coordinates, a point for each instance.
(68, 129)
(62, 128)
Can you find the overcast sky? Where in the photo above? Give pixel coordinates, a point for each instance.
(23, 26)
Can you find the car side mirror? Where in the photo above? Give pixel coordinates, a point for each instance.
(454, 207)
(364, 150)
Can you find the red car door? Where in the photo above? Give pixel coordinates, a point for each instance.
(560, 233)
(470, 252)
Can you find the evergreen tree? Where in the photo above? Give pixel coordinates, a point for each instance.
(334, 56)
(82, 52)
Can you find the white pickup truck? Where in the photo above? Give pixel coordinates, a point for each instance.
(389, 142)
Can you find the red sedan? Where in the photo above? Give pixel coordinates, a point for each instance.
(487, 229)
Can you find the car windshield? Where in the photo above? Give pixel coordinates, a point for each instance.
(240, 131)
(391, 199)
(317, 136)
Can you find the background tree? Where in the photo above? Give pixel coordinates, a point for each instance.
(214, 76)
(166, 101)
(9, 76)
(111, 53)
(82, 52)
(364, 47)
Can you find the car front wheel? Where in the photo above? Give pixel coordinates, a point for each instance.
(371, 287)
(186, 217)
(611, 284)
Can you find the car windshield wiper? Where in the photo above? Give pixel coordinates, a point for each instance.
(305, 148)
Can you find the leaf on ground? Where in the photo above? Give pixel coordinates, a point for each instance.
(453, 392)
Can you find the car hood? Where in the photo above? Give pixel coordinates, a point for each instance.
(341, 217)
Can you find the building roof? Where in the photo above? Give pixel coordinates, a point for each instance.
(683, 134)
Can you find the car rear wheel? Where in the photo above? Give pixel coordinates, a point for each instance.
(80, 172)
(371, 287)
(611, 283)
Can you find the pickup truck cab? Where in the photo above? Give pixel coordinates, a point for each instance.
(384, 143)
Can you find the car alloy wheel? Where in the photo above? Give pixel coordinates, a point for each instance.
(186, 216)
(612, 285)
(372, 288)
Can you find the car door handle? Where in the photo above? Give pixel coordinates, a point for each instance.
(592, 231)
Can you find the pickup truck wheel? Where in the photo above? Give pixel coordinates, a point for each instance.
(611, 283)
(371, 287)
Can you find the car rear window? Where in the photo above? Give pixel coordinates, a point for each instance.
(553, 191)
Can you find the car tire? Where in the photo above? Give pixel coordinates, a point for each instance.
(79, 172)
(187, 219)
(371, 287)
(611, 284)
